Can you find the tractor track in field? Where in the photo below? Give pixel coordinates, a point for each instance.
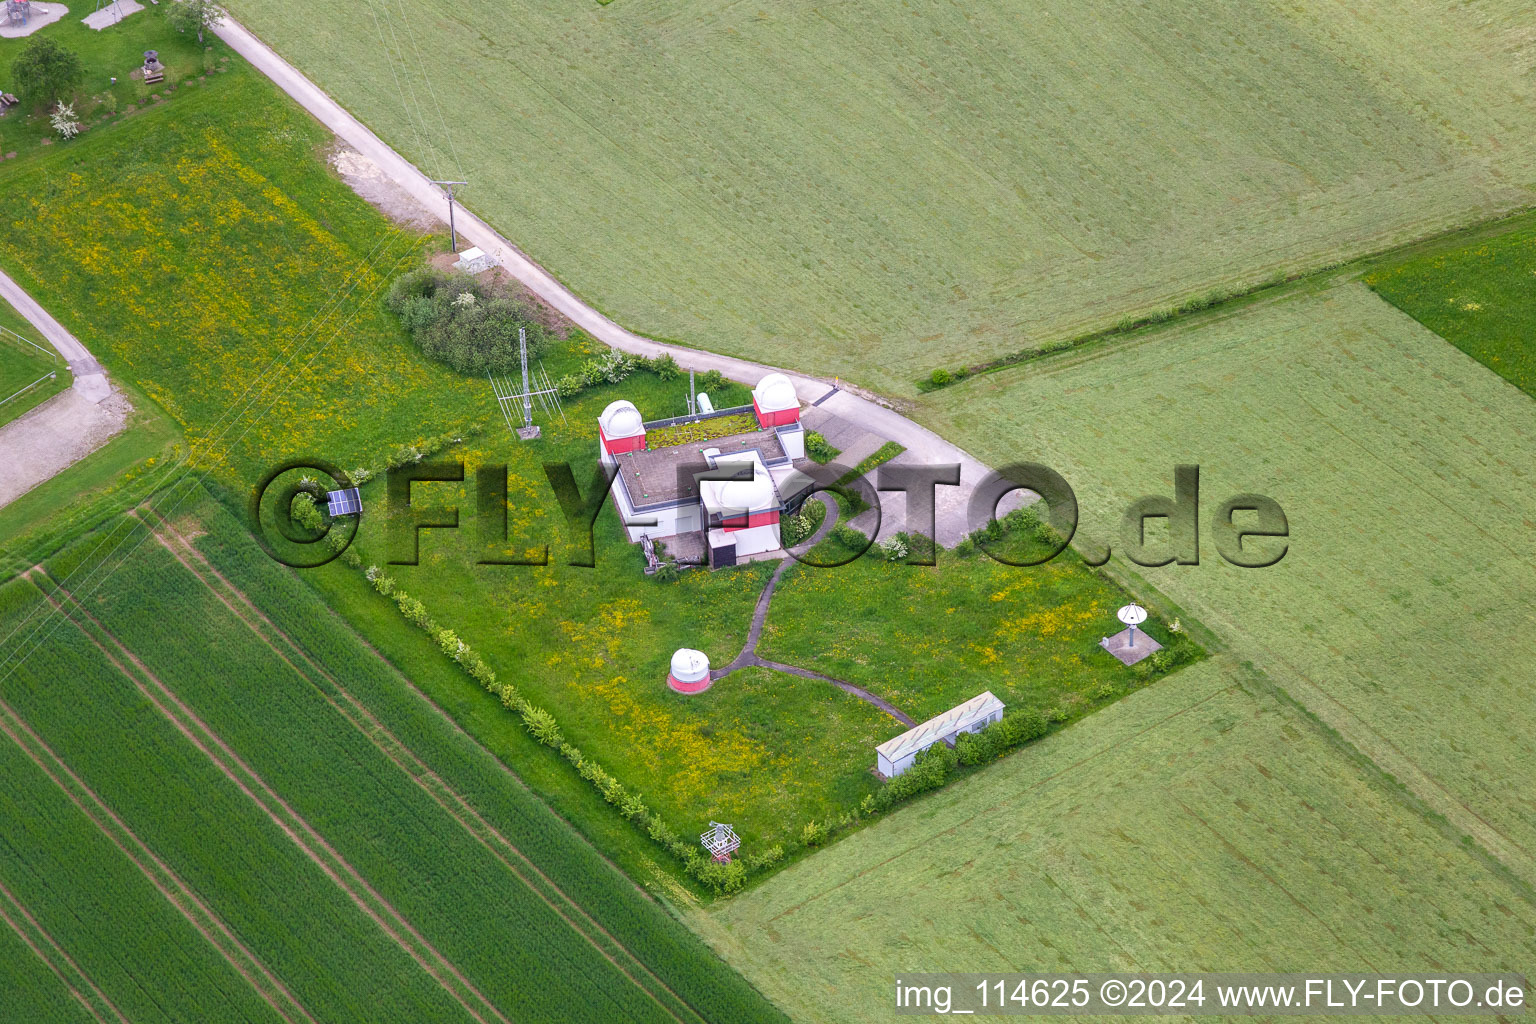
(176, 892)
(12, 908)
(299, 831)
(357, 714)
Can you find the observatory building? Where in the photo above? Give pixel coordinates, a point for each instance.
(726, 493)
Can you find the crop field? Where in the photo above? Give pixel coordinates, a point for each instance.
(1201, 824)
(1478, 297)
(877, 189)
(201, 250)
(1403, 466)
(325, 844)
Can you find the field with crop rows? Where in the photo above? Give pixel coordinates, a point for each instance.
(1403, 467)
(364, 856)
(876, 189)
(1200, 824)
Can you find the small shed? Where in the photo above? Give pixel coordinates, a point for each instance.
(896, 755)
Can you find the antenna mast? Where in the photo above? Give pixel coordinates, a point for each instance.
(507, 394)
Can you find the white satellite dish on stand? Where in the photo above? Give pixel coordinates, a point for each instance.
(1132, 615)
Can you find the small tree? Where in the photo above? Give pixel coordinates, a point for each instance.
(46, 72)
(195, 15)
(63, 120)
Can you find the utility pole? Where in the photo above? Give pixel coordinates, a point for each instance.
(447, 186)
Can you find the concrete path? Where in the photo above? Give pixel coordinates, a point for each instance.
(67, 427)
(111, 14)
(924, 445)
(749, 655)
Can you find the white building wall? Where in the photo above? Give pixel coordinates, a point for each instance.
(755, 539)
(669, 522)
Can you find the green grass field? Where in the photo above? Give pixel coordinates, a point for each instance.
(874, 190)
(114, 52)
(1479, 297)
(927, 638)
(206, 255)
(1396, 615)
(24, 369)
(368, 855)
(1199, 825)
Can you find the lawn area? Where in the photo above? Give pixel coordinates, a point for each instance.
(1201, 824)
(928, 637)
(879, 189)
(115, 52)
(360, 846)
(1480, 297)
(202, 252)
(1398, 613)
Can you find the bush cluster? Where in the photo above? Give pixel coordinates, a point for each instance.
(1014, 730)
(796, 528)
(614, 366)
(455, 322)
(819, 449)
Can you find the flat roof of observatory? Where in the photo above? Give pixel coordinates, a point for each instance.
(651, 475)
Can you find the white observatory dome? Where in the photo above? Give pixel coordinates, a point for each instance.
(775, 393)
(747, 495)
(621, 419)
(690, 666)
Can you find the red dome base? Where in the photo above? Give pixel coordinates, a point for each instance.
(682, 687)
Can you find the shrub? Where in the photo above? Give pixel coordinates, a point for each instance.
(796, 528)
(813, 834)
(714, 380)
(721, 879)
(930, 770)
(765, 859)
(895, 550)
(541, 725)
(665, 367)
(818, 448)
(849, 538)
(940, 377)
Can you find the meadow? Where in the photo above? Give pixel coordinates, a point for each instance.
(211, 261)
(1477, 296)
(364, 855)
(1203, 824)
(876, 190)
(929, 637)
(1398, 613)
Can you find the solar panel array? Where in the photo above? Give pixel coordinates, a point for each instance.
(343, 503)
